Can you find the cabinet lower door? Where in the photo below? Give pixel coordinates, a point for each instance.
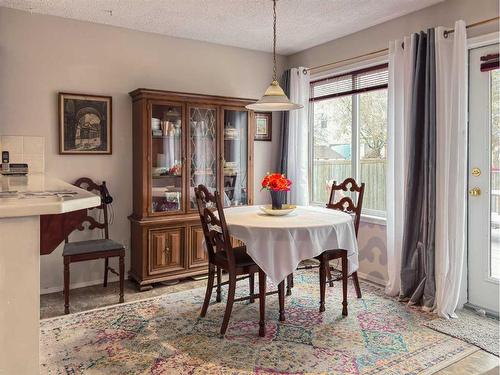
(166, 250)
(197, 252)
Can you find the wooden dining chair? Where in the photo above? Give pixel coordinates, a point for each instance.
(223, 256)
(79, 251)
(345, 204)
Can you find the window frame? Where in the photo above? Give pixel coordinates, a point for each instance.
(368, 215)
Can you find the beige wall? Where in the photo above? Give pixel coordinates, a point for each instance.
(42, 55)
(378, 37)
(372, 238)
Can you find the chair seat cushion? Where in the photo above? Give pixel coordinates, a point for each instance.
(241, 258)
(90, 246)
(332, 254)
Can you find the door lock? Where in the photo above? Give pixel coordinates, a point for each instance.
(476, 172)
(475, 192)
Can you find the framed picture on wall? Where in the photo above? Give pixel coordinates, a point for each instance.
(263, 126)
(85, 123)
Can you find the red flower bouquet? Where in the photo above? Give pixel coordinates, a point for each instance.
(278, 185)
(276, 182)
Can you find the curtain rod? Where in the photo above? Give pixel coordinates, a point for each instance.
(446, 33)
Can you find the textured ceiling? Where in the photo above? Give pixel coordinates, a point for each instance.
(241, 23)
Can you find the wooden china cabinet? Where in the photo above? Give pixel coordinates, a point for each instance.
(179, 141)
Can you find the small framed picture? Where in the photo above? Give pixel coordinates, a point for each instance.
(263, 126)
(85, 123)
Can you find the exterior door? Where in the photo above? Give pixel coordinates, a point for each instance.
(484, 182)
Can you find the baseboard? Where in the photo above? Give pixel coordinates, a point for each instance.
(82, 284)
(481, 310)
(114, 278)
(372, 279)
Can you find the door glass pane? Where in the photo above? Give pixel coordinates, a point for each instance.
(203, 145)
(235, 158)
(332, 147)
(495, 173)
(373, 147)
(166, 158)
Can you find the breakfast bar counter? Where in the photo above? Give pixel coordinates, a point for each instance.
(23, 199)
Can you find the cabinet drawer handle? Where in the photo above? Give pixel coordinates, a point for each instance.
(167, 250)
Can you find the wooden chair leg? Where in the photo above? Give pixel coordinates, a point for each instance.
(356, 283)
(322, 284)
(281, 298)
(344, 283)
(122, 275)
(219, 281)
(229, 303)
(289, 284)
(208, 293)
(262, 303)
(66, 285)
(106, 266)
(329, 275)
(251, 286)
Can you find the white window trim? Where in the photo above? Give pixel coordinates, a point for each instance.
(351, 67)
(483, 40)
(369, 216)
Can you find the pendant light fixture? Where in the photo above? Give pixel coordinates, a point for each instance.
(274, 98)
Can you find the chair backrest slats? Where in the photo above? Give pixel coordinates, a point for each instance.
(214, 226)
(346, 204)
(89, 185)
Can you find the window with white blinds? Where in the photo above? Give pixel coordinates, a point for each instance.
(355, 82)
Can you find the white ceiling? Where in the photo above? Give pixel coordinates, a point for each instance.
(241, 23)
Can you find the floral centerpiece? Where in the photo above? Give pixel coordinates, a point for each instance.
(278, 185)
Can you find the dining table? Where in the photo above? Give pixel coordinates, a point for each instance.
(278, 244)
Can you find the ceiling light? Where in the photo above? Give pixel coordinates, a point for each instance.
(274, 98)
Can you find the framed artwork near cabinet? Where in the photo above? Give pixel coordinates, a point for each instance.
(85, 123)
(263, 126)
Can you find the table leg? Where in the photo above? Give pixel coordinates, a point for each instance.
(289, 284)
(322, 282)
(281, 297)
(262, 303)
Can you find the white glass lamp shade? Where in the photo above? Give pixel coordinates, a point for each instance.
(274, 99)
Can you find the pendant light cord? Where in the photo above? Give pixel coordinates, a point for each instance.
(274, 41)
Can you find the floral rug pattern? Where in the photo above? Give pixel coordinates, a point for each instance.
(165, 335)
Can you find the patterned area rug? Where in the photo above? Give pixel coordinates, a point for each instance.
(471, 327)
(164, 335)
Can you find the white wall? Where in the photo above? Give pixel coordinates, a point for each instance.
(372, 237)
(42, 55)
(378, 37)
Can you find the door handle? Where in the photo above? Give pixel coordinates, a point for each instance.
(475, 192)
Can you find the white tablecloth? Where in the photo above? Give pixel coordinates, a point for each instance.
(279, 243)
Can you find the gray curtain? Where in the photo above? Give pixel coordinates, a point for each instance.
(418, 260)
(285, 84)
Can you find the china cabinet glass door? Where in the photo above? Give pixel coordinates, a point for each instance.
(235, 157)
(166, 158)
(202, 149)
